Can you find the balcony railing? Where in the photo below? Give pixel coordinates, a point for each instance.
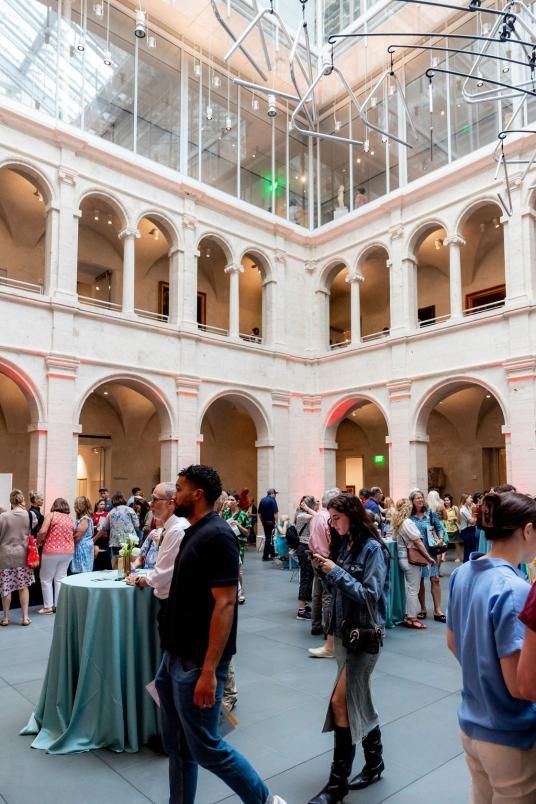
(151, 315)
(100, 303)
(212, 330)
(483, 307)
(339, 344)
(374, 336)
(250, 338)
(437, 320)
(31, 287)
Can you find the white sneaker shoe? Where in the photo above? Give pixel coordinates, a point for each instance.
(277, 800)
(321, 653)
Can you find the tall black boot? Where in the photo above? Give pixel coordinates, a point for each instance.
(373, 768)
(341, 767)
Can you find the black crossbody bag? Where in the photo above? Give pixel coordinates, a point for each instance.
(362, 640)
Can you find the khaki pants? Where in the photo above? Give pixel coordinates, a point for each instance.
(500, 774)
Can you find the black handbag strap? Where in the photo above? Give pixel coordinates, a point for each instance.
(373, 622)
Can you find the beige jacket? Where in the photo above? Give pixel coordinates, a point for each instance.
(14, 532)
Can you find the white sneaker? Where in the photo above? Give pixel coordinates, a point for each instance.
(321, 653)
(277, 800)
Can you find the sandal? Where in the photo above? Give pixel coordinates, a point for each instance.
(440, 618)
(46, 611)
(4, 623)
(413, 624)
(27, 621)
(422, 615)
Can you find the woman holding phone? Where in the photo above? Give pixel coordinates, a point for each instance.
(358, 578)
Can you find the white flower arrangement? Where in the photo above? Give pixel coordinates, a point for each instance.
(128, 545)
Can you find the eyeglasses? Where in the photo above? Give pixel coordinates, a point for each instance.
(156, 499)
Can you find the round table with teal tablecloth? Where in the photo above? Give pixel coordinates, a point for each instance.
(396, 607)
(104, 651)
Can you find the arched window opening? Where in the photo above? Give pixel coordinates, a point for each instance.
(251, 299)
(340, 333)
(151, 295)
(375, 295)
(482, 260)
(466, 448)
(100, 255)
(433, 277)
(23, 226)
(212, 288)
(229, 436)
(119, 444)
(362, 458)
(15, 451)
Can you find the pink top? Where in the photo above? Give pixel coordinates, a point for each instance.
(60, 535)
(319, 535)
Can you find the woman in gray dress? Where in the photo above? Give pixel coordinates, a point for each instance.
(357, 573)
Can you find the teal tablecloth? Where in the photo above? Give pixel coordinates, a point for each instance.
(104, 650)
(396, 608)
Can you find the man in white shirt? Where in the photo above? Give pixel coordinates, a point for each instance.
(159, 578)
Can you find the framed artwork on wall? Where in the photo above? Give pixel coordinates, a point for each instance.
(494, 295)
(350, 489)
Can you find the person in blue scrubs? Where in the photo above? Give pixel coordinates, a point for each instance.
(486, 595)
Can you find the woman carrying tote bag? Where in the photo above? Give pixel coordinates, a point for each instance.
(412, 557)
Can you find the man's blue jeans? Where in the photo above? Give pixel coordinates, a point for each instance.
(191, 737)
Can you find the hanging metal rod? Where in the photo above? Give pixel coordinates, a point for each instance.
(240, 82)
(234, 38)
(474, 5)
(393, 48)
(432, 70)
(332, 40)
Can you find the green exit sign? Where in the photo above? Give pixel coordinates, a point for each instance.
(379, 459)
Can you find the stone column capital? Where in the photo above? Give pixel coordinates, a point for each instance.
(234, 268)
(454, 240)
(396, 232)
(127, 232)
(67, 175)
(353, 277)
(310, 266)
(189, 222)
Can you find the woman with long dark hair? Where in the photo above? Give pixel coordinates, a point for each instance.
(357, 573)
(486, 595)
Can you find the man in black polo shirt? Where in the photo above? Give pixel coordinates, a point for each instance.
(199, 639)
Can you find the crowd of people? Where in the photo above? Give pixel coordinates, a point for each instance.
(193, 537)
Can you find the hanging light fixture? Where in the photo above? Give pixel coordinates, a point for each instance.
(81, 40)
(140, 27)
(228, 120)
(96, 215)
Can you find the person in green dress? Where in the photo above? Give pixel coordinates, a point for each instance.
(239, 522)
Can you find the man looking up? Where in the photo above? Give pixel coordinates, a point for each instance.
(199, 639)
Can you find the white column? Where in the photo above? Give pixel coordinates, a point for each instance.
(62, 438)
(63, 271)
(187, 417)
(322, 330)
(38, 447)
(269, 295)
(521, 401)
(188, 273)
(354, 279)
(168, 457)
(329, 454)
(528, 229)
(515, 256)
(51, 248)
(402, 286)
(455, 242)
(175, 261)
(265, 467)
(129, 268)
(418, 461)
(234, 272)
(409, 293)
(401, 478)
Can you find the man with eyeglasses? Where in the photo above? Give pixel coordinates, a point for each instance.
(159, 578)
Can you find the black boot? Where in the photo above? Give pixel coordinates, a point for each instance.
(373, 769)
(341, 767)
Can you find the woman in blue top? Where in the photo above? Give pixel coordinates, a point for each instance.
(485, 634)
(431, 530)
(83, 537)
(357, 571)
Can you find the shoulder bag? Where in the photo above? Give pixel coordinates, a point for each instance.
(32, 553)
(362, 640)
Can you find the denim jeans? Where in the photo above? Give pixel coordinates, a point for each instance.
(190, 736)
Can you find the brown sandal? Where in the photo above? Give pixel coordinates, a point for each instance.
(413, 624)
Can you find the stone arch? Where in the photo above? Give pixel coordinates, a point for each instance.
(264, 261)
(342, 406)
(471, 208)
(110, 199)
(28, 387)
(144, 387)
(439, 390)
(249, 404)
(221, 241)
(420, 231)
(165, 223)
(33, 174)
(370, 248)
(330, 271)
